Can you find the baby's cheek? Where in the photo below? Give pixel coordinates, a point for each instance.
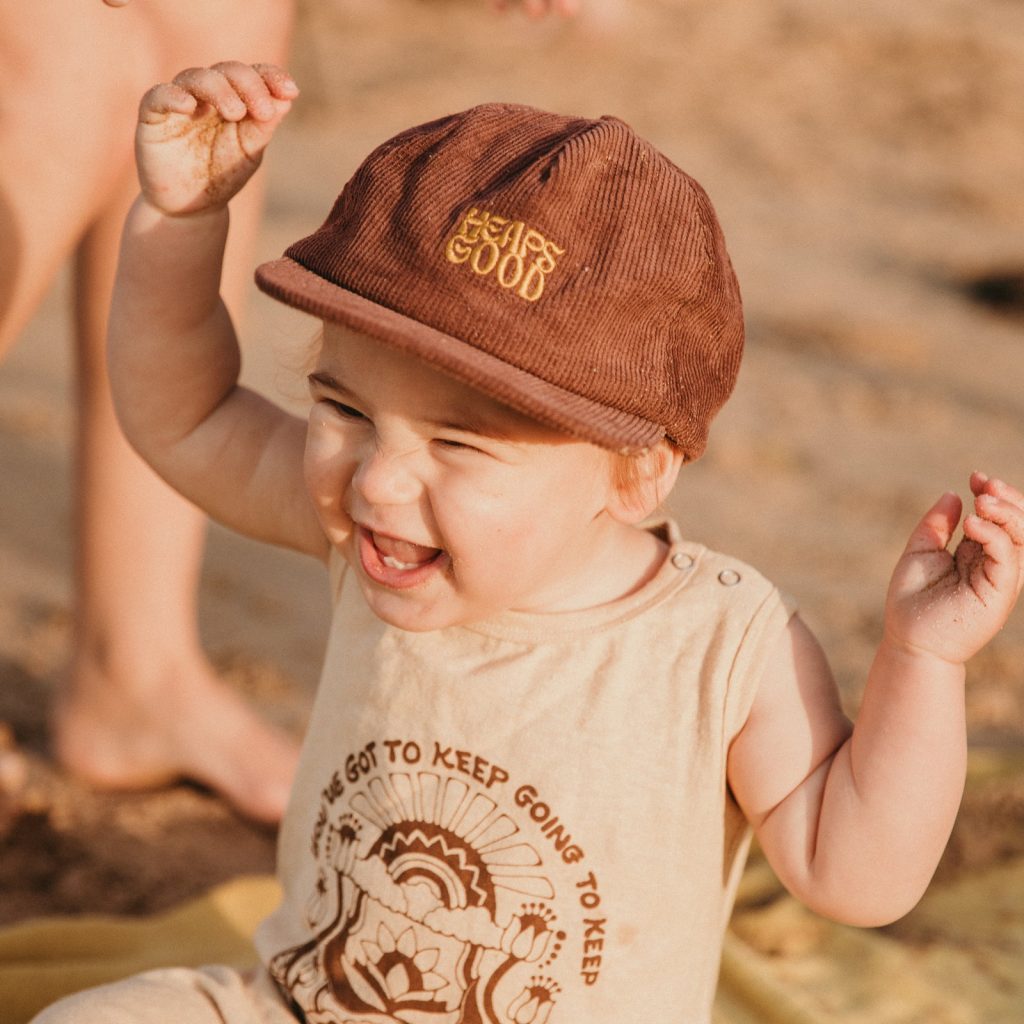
(324, 464)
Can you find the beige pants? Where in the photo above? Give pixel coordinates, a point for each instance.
(178, 995)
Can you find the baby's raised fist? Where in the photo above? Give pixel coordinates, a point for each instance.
(951, 603)
(201, 136)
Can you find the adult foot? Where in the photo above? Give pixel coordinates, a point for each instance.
(114, 731)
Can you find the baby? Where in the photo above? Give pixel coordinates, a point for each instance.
(546, 726)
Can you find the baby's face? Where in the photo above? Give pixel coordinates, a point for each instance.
(448, 506)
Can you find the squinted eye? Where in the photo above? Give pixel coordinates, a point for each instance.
(345, 410)
(458, 446)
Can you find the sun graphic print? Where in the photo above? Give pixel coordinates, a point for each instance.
(430, 906)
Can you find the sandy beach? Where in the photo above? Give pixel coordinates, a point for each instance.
(867, 163)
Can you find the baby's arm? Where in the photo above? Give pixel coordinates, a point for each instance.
(854, 822)
(174, 357)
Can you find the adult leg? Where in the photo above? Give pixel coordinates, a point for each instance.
(58, 146)
(141, 702)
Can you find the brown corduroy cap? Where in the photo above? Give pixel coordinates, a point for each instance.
(560, 265)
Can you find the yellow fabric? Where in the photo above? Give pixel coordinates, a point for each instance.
(42, 960)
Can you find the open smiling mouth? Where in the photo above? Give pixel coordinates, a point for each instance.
(394, 563)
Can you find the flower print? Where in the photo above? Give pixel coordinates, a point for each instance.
(307, 973)
(317, 906)
(534, 1004)
(398, 970)
(528, 933)
(342, 843)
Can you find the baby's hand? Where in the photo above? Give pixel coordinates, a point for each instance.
(201, 137)
(538, 8)
(951, 605)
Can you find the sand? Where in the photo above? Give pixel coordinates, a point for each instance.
(868, 165)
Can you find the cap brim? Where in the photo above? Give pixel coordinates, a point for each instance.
(291, 283)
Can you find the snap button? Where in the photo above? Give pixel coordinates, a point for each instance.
(729, 577)
(681, 560)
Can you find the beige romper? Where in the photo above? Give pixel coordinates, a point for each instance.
(524, 821)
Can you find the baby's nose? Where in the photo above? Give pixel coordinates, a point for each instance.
(387, 478)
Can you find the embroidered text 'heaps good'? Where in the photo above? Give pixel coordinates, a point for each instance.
(519, 257)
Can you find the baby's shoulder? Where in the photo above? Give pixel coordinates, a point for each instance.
(715, 600)
(708, 572)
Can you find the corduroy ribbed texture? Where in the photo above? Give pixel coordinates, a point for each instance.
(561, 265)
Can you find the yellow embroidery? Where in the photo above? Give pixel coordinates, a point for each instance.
(519, 257)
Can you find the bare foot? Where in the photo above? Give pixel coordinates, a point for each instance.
(187, 724)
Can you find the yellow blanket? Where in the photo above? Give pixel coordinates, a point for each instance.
(44, 959)
(960, 959)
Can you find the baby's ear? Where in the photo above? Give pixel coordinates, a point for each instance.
(642, 481)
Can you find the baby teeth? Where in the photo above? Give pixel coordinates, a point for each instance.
(394, 563)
